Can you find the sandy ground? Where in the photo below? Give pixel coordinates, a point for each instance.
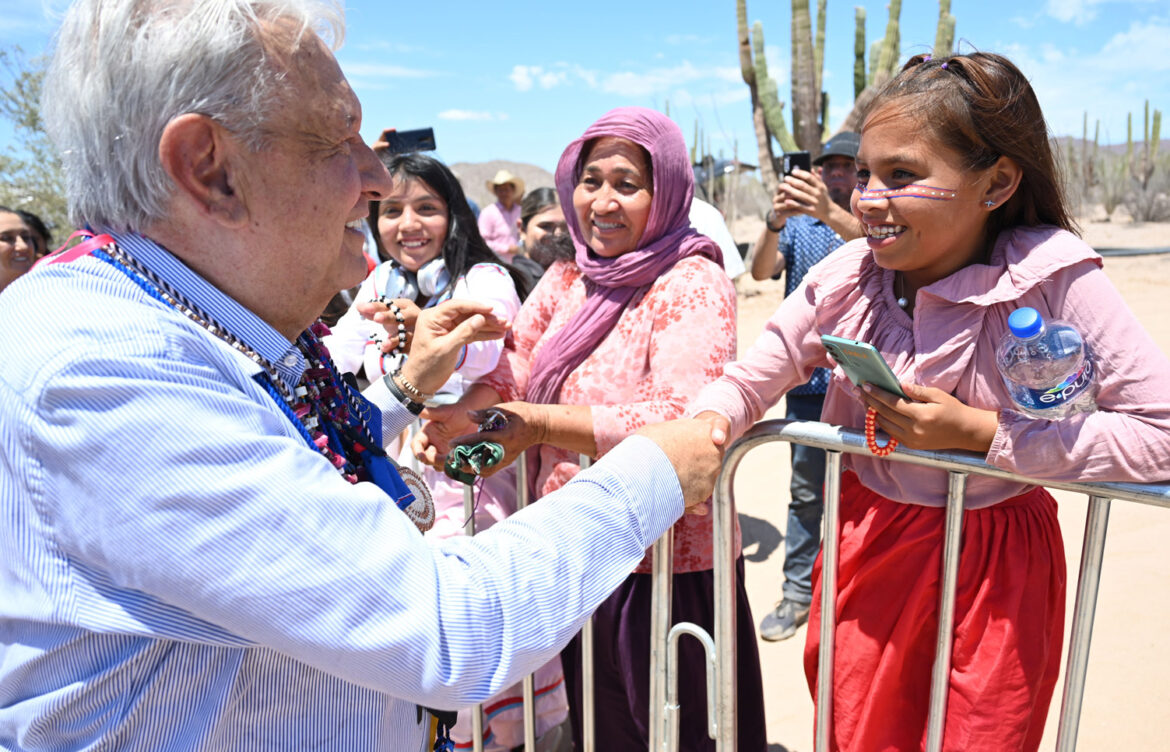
(1127, 689)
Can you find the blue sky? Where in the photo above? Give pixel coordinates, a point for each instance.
(518, 80)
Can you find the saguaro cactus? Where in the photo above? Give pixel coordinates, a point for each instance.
(1142, 169)
(805, 94)
(883, 58)
(859, 52)
(748, 71)
(1144, 200)
(944, 36)
(769, 94)
(887, 58)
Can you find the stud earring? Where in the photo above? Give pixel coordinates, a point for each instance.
(989, 203)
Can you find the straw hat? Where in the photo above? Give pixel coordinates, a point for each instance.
(503, 176)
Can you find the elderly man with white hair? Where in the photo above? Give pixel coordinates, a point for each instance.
(203, 543)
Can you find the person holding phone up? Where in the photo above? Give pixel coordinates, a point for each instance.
(809, 218)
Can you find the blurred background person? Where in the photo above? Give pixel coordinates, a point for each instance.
(17, 246)
(497, 222)
(707, 219)
(624, 336)
(42, 238)
(809, 219)
(544, 236)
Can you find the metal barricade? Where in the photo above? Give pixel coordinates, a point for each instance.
(721, 649)
(528, 685)
(836, 440)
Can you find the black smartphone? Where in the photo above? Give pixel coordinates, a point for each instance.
(419, 139)
(794, 159)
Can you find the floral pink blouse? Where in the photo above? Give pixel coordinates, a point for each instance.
(662, 351)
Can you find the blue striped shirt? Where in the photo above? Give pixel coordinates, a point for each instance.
(804, 241)
(181, 572)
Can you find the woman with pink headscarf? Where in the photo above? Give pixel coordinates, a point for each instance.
(625, 336)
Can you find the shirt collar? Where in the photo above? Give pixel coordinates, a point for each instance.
(227, 312)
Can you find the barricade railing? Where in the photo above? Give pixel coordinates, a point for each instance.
(836, 440)
(721, 649)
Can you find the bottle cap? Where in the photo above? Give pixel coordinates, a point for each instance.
(1025, 323)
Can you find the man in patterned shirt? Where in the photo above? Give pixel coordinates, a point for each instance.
(809, 218)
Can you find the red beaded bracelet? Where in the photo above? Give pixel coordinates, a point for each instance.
(871, 435)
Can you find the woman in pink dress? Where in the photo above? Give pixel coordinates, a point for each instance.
(625, 336)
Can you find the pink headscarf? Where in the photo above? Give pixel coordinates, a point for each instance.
(611, 284)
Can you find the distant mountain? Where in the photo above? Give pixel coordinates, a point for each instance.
(474, 176)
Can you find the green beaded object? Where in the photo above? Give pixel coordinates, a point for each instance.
(478, 457)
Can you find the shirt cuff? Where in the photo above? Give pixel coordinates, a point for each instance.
(395, 416)
(640, 472)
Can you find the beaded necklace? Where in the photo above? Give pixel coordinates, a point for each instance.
(327, 412)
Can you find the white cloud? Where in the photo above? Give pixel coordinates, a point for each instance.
(524, 76)
(1078, 12)
(521, 77)
(1081, 12)
(672, 81)
(586, 75)
(471, 115)
(1107, 83)
(1140, 49)
(731, 74)
(654, 81)
(381, 70)
(384, 45)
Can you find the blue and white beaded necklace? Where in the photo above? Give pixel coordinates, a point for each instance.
(329, 414)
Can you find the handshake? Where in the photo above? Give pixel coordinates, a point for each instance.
(457, 440)
(690, 445)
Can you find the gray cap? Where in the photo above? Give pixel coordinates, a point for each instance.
(843, 144)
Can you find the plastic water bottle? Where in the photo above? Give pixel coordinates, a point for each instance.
(1047, 366)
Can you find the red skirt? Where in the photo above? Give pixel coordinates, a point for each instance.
(1009, 623)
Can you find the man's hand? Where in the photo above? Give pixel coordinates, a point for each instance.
(696, 460)
(439, 336)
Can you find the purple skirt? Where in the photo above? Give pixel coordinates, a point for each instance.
(621, 652)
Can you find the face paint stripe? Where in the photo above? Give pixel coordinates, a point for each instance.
(914, 190)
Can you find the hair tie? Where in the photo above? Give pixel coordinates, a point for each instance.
(879, 450)
(943, 66)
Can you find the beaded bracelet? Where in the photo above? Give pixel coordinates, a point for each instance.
(417, 394)
(881, 450)
(413, 406)
(400, 346)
